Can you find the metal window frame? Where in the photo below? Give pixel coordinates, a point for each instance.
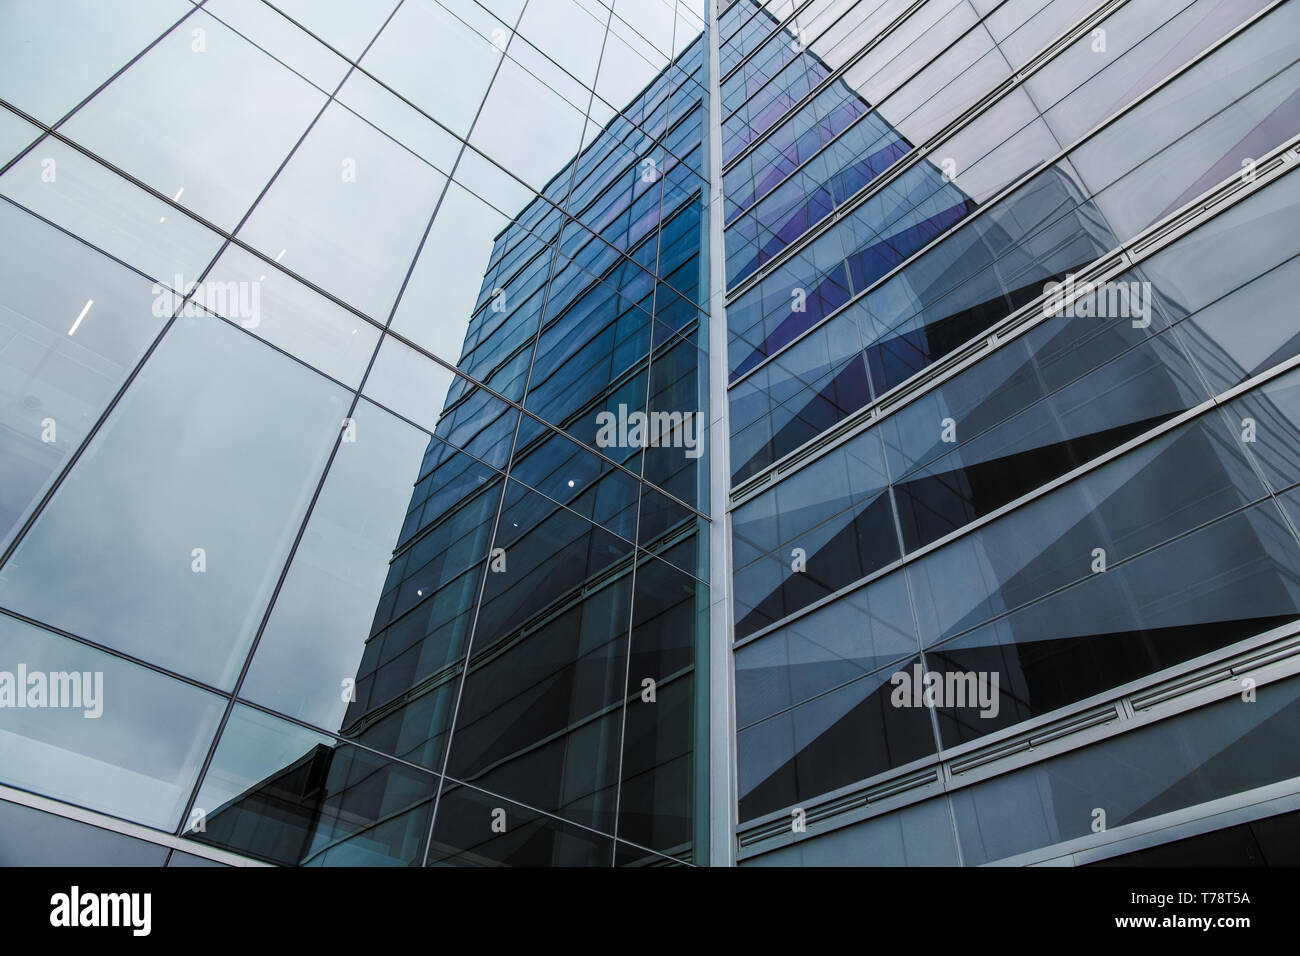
(1280, 160)
(723, 768)
(1267, 657)
(115, 825)
(832, 76)
(1199, 410)
(1046, 55)
(1248, 806)
(1165, 693)
(913, 158)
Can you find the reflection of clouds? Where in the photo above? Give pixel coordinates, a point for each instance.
(328, 598)
(50, 750)
(441, 292)
(187, 460)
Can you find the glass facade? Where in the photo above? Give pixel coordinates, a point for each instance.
(646, 432)
(974, 507)
(312, 314)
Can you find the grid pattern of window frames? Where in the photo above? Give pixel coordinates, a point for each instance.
(310, 314)
(950, 463)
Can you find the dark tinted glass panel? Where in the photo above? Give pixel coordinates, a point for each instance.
(919, 835)
(477, 829)
(657, 801)
(1174, 763)
(853, 636)
(837, 739)
(283, 794)
(540, 710)
(30, 837)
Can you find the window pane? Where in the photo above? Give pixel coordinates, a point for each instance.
(434, 60)
(74, 324)
(348, 211)
(138, 759)
(831, 741)
(463, 835)
(280, 793)
(178, 517)
(105, 210)
(226, 113)
(31, 837)
(919, 835)
(323, 613)
(276, 307)
(1222, 749)
(93, 43)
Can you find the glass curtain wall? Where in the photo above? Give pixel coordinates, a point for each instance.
(1056, 516)
(313, 315)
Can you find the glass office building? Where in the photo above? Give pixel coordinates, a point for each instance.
(1013, 426)
(312, 474)
(649, 432)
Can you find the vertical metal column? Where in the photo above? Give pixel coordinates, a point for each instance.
(722, 735)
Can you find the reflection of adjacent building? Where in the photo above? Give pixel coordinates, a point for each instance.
(860, 311)
(569, 582)
(945, 297)
(1013, 598)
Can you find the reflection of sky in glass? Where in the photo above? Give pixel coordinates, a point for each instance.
(526, 84)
